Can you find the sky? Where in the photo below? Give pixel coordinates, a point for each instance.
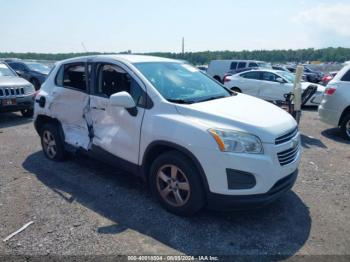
(50, 26)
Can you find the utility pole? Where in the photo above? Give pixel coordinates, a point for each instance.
(183, 46)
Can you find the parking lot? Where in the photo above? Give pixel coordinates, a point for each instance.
(82, 207)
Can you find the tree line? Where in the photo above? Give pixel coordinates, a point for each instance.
(339, 54)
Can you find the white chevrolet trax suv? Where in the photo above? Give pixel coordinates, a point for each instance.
(195, 142)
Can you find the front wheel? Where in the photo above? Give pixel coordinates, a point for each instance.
(345, 126)
(175, 182)
(27, 112)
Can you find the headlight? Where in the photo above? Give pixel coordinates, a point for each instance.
(235, 141)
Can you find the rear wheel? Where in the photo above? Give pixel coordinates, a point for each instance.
(345, 126)
(175, 182)
(52, 142)
(27, 112)
(236, 89)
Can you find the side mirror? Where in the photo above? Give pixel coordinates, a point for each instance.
(280, 80)
(122, 99)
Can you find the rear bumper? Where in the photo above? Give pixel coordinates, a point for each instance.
(328, 116)
(222, 202)
(22, 102)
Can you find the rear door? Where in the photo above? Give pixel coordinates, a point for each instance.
(249, 83)
(68, 102)
(272, 90)
(116, 129)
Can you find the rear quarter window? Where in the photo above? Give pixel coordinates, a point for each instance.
(346, 76)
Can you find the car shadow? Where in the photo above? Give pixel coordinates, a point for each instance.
(13, 119)
(335, 134)
(309, 108)
(308, 142)
(280, 229)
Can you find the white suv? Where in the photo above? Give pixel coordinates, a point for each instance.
(195, 142)
(335, 105)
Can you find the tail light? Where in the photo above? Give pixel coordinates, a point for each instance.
(226, 78)
(330, 90)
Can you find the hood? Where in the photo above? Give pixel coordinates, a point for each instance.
(12, 81)
(243, 113)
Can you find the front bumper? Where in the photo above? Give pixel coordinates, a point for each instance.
(222, 202)
(22, 102)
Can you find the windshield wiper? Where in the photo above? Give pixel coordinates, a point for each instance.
(180, 101)
(211, 98)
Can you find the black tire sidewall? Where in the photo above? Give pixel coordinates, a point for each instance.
(53, 128)
(197, 200)
(345, 120)
(27, 112)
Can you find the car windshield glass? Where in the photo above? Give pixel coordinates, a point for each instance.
(5, 71)
(182, 83)
(39, 67)
(288, 76)
(264, 65)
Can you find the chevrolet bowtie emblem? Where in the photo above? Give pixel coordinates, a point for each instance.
(294, 143)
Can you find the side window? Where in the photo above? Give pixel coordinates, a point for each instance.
(241, 65)
(251, 75)
(346, 77)
(112, 79)
(253, 65)
(267, 76)
(72, 76)
(233, 65)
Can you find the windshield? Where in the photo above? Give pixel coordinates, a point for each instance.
(5, 71)
(182, 83)
(288, 76)
(38, 67)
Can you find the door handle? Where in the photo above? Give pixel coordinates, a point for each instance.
(99, 108)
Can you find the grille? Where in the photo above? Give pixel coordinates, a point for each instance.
(288, 156)
(286, 137)
(11, 91)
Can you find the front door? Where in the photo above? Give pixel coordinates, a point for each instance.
(116, 130)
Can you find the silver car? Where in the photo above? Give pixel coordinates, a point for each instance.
(335, 106)
(16, 93)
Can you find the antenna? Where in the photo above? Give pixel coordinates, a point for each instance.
(183, 45)
(82, 44)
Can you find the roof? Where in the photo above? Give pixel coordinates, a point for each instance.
(126, 58)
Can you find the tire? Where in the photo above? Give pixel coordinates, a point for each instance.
(236, 89)
(35, 83)
(345, 126)
(217, 78)
(27, 112)
(190, 191)
(52, 143)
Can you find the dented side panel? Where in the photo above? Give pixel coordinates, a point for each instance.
(71, 107)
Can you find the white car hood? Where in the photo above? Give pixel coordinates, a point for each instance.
(12, 81)
(243, 113)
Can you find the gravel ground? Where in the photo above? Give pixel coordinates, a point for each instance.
(82, 207)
